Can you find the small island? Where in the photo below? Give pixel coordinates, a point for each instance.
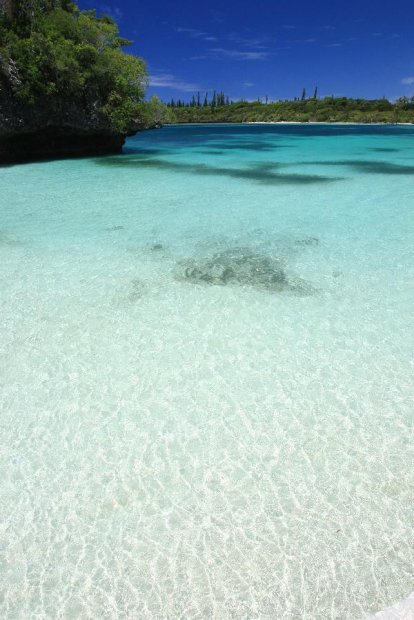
(67, 88)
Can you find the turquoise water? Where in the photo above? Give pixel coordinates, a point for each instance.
(206, 365)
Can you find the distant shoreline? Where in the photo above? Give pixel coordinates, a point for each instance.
(290, 123)
(317, 123)
(326, 111)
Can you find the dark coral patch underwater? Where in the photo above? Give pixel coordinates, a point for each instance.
(241, 266)
(244, 145)
(365, 165)
(381, 167)
(261, 173)
(384, 150)
(8, 240)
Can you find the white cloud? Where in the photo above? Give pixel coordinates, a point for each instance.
(239, 54)
(258, 43)
(193, 33)
(248, 84)
(166, 80)
(408, 80)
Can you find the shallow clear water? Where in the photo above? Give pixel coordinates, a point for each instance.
(207, 376)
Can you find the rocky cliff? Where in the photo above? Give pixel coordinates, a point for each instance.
(52, 127)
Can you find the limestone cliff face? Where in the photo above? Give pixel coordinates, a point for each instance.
(53, 127)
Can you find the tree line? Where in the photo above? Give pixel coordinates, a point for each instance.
(217, 99)
(299, 109)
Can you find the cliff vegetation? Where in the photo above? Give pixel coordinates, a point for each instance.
(66, 84)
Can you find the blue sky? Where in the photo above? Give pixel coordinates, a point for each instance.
(274, 48)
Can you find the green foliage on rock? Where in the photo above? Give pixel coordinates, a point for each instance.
(52, 51)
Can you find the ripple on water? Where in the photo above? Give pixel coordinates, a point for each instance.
(187, 429)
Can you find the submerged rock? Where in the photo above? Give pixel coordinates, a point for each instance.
(5, 239)
(307, 241)
(113, 228)
(243, 267)
(138, 289)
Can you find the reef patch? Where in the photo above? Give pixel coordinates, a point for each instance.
(368, 166)
(264, 173)
(6, 239)
(384, 150)
(308, 241)
(137, 290)
(113, 228)
(157, 247)
(241, 266)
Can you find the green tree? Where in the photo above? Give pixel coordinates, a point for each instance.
(66, 55)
